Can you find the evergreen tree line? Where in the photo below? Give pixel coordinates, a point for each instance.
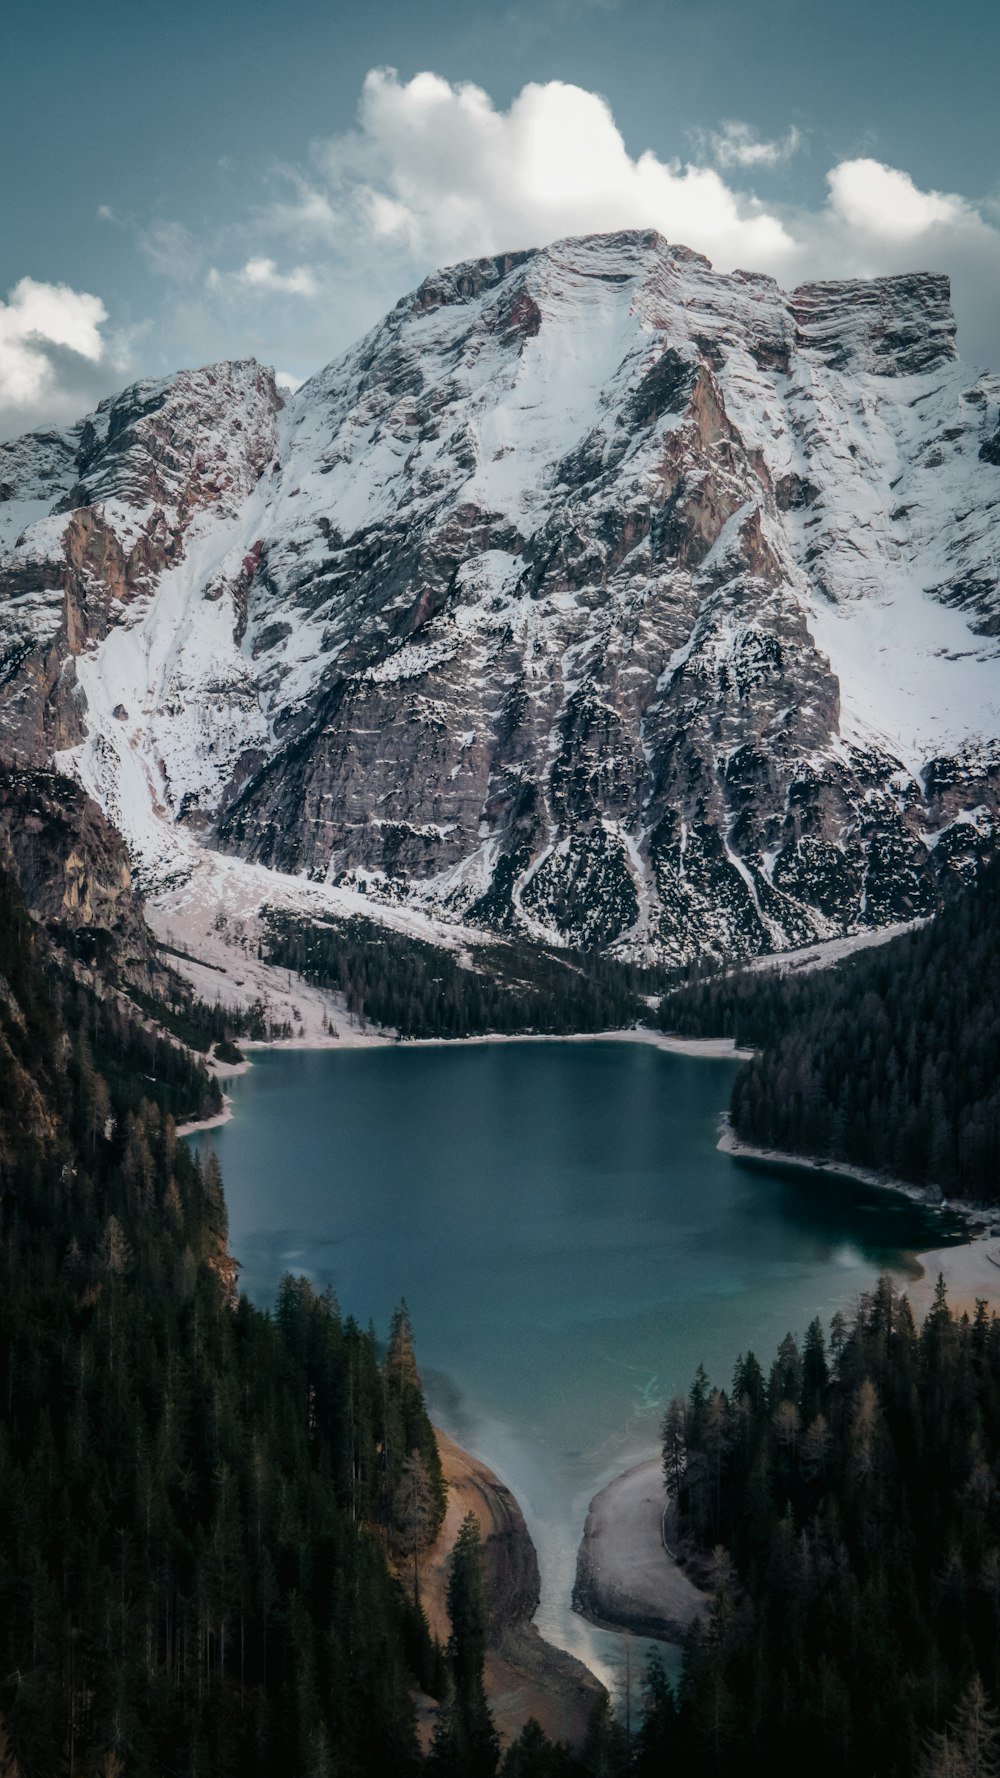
(200, 1504)
(420, 990)
(844, 1512)
(890, 1060)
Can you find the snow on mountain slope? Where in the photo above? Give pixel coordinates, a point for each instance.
(592, 594)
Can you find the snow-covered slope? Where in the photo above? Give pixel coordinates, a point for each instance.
(592, 594)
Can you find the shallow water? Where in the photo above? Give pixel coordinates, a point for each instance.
(569, 1240)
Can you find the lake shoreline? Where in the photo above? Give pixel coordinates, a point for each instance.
(525, 1675)
(606, 1600)
(731, 1144)
(964, 1265)
(214, 1122)
(626, 1579)
(709, 1048)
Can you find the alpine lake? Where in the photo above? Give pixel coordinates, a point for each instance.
(569, 1240)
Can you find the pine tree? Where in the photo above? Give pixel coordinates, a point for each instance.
(9, 1767)
(656, 1741)
(970, 1746)
(414, 1513)
(604, 1753)
(674, 1446)
(468, 1613)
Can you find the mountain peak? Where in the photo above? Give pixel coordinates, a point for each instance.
(594, 594)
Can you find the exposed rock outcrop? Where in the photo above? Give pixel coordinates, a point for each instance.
(71, 864)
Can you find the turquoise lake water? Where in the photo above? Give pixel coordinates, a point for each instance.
(569, 1240)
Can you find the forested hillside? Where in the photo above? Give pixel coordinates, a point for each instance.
(845, 1508)
(195, 1498)
(421, 990)
(891, 1060)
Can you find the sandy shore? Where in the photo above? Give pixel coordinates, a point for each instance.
(625, 1580)
(718, 1048)
(525, 1675)
(971, 1274)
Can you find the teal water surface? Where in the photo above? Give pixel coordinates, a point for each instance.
(569, 1240)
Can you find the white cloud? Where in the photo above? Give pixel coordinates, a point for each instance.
(263, 274)
(435, 171)
(884, 202)
(307, 214)
(438, 170)
(39, 325)
(736, 145)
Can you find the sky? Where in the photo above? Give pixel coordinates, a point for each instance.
(226, 178)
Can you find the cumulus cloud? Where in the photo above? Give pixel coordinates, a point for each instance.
(736, 145)
(434, 171)
(883, 202)
(438, 169)
(48, 334)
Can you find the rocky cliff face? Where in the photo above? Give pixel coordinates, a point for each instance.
(593, 595)
(71, 865)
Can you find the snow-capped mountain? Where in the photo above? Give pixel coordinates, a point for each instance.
(592, 594)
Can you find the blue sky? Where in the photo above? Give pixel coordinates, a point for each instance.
(215, 179)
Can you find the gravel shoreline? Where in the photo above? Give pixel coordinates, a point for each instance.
(625, 1578)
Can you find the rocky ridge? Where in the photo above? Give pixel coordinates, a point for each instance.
(593, 596)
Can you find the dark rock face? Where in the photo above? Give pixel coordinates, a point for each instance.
(592, 594)
(71, 864)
